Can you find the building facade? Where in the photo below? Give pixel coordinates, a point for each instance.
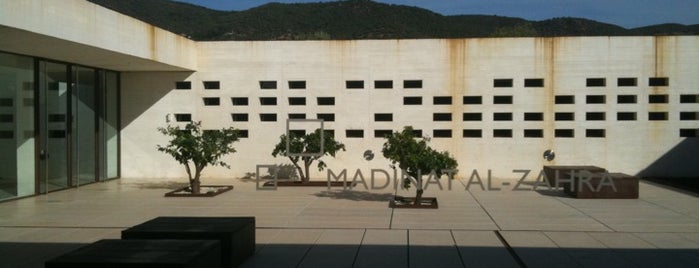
(629, 104)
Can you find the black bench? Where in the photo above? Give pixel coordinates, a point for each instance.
(236, 234)
(142, 253)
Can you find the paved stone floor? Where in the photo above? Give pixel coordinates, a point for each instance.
(317, 227)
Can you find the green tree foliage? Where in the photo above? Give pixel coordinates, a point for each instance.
(357, 19)
(196, 148)
(415, 158)
(307, 144)
(525, 29)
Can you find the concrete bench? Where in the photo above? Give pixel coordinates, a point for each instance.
(563, 172)
(142, 253)
(603, 185)
(236, 234)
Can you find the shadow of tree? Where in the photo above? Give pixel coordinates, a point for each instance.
(356, 195)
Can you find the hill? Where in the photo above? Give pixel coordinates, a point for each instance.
(358, 19)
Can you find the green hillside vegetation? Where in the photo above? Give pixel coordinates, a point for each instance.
(358, 19)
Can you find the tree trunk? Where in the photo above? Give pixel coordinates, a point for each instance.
(307, 164)
(418, 197)
(195, 183)
(419, 190)
(301, 175)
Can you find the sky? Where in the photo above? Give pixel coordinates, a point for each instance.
(625, 13)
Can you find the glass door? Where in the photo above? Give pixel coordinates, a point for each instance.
(53, 126)
(84, 131)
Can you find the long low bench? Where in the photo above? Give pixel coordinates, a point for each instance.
(236, 234)
(142, 253)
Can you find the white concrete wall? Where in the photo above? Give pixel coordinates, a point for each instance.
(454, 68)
(81, 32)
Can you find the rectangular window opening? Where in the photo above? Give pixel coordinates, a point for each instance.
(502, 133)
(472, 133)
(658, 81)
(657, 116)
(297, 116)
(595, 99)
(689, 132)
(564, 99)
(502, 82)
(595, 133)
(502, 99)
(239, 117)
(326, 101)
(626, 82)
(412, 100)
(596, 82)
(412, 83)
(534, 82)
(6, 102)
(268, 84)
(473, 117)
(297, 84)
(354, 133)
(354, 84)
(243, 133)
(595, 116)
(297, 101)
(212, 85)
(268, 117)
(473, 100)
(533, 133)
(6, 118)
(383, 117)
(689, 98)
(183, 117)
(658, 98)
(533, 116)
(441, 117)
(383, 84)
(268, 101)
(212, 101)
(564, 116)
(687, 116)
(564, 133)
(625, 99)
(441, 100)
(502, 116)
(239, 101)
(626, 116)
(441, 133)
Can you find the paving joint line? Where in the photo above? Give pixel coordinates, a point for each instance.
(510, 250)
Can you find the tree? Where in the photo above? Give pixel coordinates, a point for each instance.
(307, 145)
(198, 147)
(416, 158)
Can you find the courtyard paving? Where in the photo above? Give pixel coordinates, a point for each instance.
(317, 227)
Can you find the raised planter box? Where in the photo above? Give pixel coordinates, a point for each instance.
(599, 185)
(142, 253)
(236, 234)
